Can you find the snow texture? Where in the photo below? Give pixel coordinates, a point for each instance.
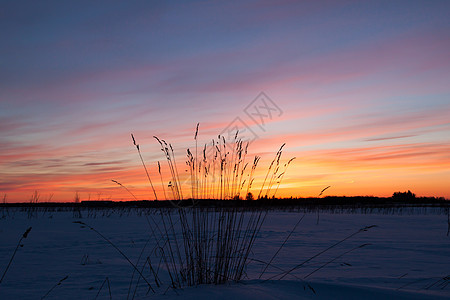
(407, 256)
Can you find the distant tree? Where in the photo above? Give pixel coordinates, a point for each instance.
(249, 197)
(404, 195)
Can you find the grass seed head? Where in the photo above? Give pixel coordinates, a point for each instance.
(25, 234)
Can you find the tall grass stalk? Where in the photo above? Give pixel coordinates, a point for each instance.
(198, 245)
(53, 287)
(19, 244)
(282, 275)
(106, 281)
(118, 250)
(335, 258)
(124, 187)
(162, 181)
(280, 177)
(272, 169)
(143, 164)
(282, 245)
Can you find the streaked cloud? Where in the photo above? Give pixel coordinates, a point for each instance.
(361, 95)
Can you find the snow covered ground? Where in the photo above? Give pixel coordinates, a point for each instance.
(406, 256)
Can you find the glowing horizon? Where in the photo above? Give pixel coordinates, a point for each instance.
(362, 91)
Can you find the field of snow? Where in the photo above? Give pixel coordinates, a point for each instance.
(406, 256)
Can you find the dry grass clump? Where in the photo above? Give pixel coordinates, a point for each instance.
(213, 246)
(199, 245)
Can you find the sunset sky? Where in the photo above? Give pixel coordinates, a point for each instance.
(359, 91)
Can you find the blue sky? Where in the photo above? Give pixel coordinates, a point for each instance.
(359, 77)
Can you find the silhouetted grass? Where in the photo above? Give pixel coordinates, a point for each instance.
(106, 281)
(283, 274)
(19, 244)
(196, 245)
(53, 287)
(118, 250)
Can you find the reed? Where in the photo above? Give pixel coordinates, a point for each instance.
(53, 287)
(281, 246)
(118, 250)
(106, 281)
(285, 273)
(273, 168)
(124, 187)
(335, 258)
(143, 164)
(196, 245)
(19, 244)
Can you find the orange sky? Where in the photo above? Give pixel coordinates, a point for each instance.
(375, 170)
